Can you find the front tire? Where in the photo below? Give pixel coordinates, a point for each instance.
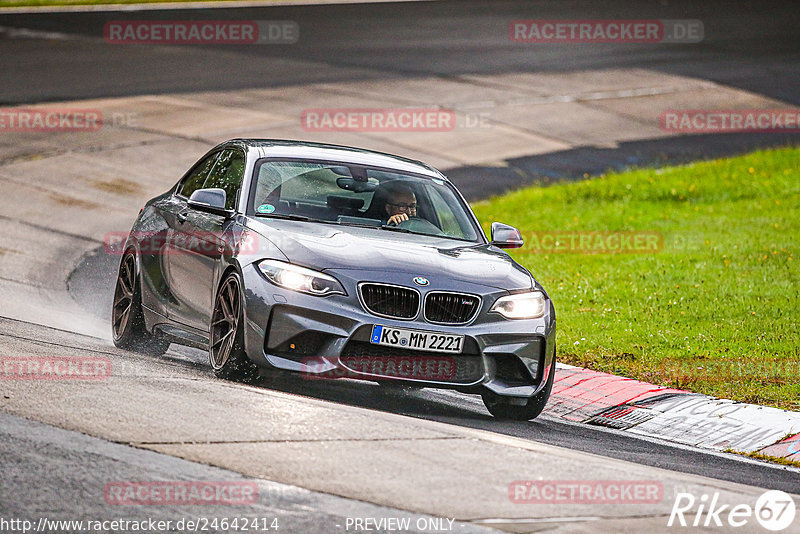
(127, 319)
(505, 408)
(226, 337)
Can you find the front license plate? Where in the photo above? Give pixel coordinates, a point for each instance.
(416, 339)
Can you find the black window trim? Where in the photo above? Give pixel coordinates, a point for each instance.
(214, 152)
(244, 172)
(188, 173)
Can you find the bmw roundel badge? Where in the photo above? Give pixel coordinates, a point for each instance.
(420, 281)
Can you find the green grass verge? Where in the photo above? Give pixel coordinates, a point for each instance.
(766, 458)
(715, 311)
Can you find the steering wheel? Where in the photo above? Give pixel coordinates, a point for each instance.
(417, 224)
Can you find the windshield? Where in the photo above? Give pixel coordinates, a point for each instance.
(360, 196)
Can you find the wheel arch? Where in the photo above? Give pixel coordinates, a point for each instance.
(233, 267)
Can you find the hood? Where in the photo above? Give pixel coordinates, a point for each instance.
(337, 247)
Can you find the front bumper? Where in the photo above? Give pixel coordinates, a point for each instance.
(330, 337)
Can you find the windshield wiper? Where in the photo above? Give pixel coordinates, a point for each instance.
(292, 217)
(287, 216)
(396, 229)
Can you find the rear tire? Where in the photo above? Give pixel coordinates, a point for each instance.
(127, 319)
(226, 337)
(502, 407)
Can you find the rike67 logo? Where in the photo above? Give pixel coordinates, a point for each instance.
(774, 510)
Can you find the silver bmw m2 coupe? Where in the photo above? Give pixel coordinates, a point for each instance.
(335, 262)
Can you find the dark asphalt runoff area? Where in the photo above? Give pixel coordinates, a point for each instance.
(747, 45)
(54, 475)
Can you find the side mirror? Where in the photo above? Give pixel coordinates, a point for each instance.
(505, 236)
(210, 200)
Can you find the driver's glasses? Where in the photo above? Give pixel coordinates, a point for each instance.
(405, 207)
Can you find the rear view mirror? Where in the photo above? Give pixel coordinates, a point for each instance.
(210, 200)
(505, 236)
(356, 186)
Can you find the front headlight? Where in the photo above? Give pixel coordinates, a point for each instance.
(521, 306)
(300, 279)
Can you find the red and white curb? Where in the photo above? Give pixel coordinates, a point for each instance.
(595, 398)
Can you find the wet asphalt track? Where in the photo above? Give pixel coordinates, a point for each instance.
(749, 45)
(98, 270)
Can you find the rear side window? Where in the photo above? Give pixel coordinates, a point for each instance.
(198, 176)
(227, 174)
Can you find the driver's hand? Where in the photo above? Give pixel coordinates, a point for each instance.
(398, 218)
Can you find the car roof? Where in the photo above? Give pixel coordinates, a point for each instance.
(284, 148)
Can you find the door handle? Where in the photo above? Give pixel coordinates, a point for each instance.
(182, 216)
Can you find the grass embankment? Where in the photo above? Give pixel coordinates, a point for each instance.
(715, 311)
(766, 458)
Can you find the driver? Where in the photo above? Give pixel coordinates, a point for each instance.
(400, 203)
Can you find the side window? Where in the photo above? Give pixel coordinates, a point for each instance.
(227, 174)
(198, 176)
